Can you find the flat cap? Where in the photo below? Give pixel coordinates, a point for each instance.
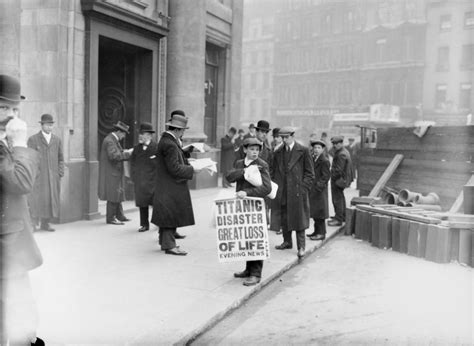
(286, 131)
(252, 141)
(317, 141)
(337, 139)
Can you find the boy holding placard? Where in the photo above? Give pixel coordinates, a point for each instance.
(252, 147)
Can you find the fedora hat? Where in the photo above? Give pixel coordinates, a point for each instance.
(178, 120)
(10, 89)
(317, 141)
(263, 125)
(146, 127)
(276, 132)
(252, 141)
(46, 119)
(122, 126)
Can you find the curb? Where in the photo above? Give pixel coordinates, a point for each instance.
(193, 335)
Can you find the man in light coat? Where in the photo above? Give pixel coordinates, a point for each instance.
(111, 173)
(172, 206)
(44, 200)
(292, 171)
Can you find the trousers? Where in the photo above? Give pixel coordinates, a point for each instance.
(114, 211)
(144, 217)
(254, 268)
(338, 201)
(166, 238)
(320, 226)
(300, 234)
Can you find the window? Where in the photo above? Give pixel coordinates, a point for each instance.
(445, 22)
(380, 48)
(253, 81)
(440, 96)
(469, 20)
(254, 58)
(443, 59)
(266, 80)
(467, 56)
(465, 96)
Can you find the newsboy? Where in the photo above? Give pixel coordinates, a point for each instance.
(142, 169)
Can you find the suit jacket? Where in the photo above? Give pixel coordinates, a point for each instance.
(318, 197)
(294, 190)
(237, 175)
(18, 248)
(143, 170)
(172, 206)
(111, 170)
(342, 167)
(44, 200)
(227, 154)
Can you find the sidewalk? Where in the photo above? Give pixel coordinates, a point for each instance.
(112, 285)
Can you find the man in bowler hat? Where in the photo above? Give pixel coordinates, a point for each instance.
(172, 205)
(19, 252)
(44, 200)
(111, 177)
(143, 165)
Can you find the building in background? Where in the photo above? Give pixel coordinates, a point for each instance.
(92, 63)
(448, 84)
(257, 60)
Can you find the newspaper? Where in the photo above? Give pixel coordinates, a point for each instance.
(198, 146)
(205, 163)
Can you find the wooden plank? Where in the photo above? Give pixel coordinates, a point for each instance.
(412, 217)
(386, 175)
(460, 200)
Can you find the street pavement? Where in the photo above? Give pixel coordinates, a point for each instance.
(108, 284)
(350, 293)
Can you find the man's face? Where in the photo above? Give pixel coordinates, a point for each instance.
(278, 139)
(337, 146)
(252, 152)
(262, 135)
(318, 149)
(47, 127)
(252, 130)
(121, 135)
(8, 110)
(288, 140)
(144, 137)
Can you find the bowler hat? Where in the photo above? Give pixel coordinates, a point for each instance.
(252, 141)
(263, 125)
(337, 139)
(178, 120)
(122, 126)
(10, 89)
(276, 132)
(177, 112)
(317, 141)
(251, 126)
(146, 127)
(46, 119)
(286, 131)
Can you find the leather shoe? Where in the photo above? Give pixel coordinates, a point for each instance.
(301, 253)
(38, 342)
(124, 219)
(179, 236)
(48, 229)
(311, 235)
(176, 251)
(143, 229)
(284, 246)
(318, 237)
(243, 274)
(251, 280)
(115, 222)
(334, 223)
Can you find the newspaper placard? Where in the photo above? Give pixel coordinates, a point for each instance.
(241, 226)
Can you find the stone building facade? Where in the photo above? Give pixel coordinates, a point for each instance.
(90, 63)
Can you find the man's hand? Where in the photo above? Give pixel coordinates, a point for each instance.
(241, 194)
(16, 130)
(128, 151)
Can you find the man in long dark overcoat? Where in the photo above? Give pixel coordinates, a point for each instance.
(292, 170)
(143, 169)
(318, 196)
(44, 200)
(19, 252)
(227, 154)
(111, 173)
(172, 206)
(341, 178)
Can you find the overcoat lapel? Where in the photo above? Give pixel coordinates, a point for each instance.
(295, 156)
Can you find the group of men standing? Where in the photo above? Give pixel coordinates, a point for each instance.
(162, 167)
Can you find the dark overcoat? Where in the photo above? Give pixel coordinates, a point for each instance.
(142, 171)
(172, 206)
(18, 248)
(44, 199)
(318, 196)
(227, 154)
(237, 175)
(300, 176)
(342, 167)
(111, 170)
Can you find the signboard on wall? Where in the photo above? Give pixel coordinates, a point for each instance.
(382, 113)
